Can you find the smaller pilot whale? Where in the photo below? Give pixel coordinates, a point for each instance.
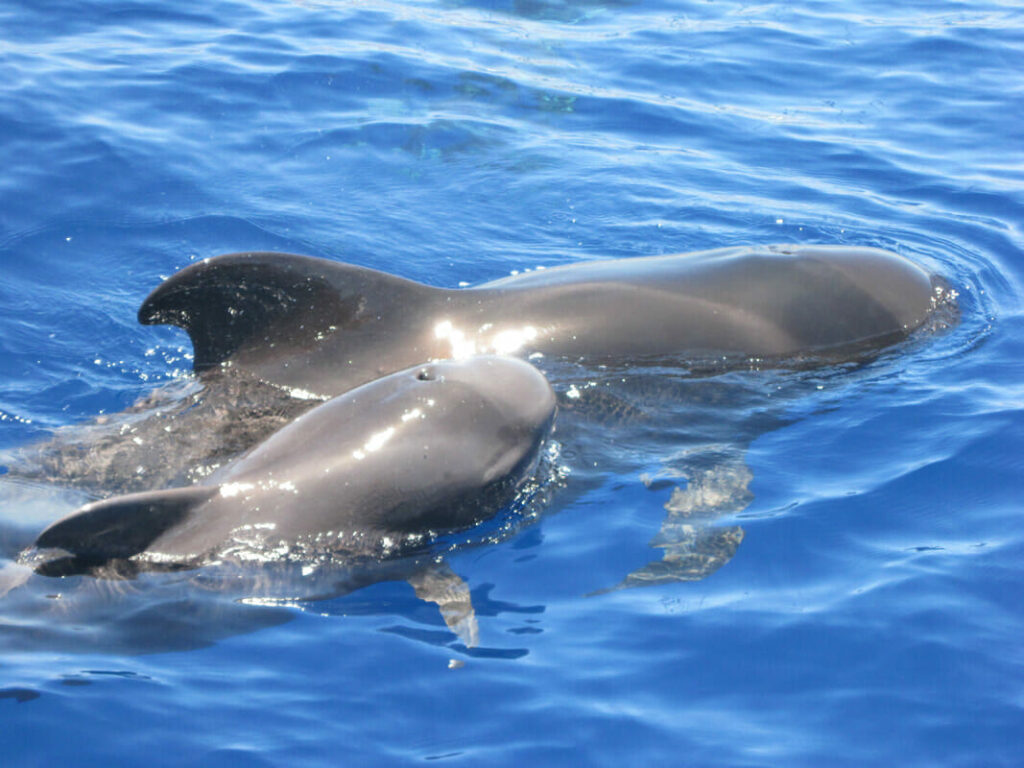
(374, 474)
(324, 327)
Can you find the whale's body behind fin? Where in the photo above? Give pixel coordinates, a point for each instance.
(290, 320)
(326, 327)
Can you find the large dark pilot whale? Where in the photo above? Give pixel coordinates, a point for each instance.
(324, 327)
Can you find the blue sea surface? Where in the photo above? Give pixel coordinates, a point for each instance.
(873, 614)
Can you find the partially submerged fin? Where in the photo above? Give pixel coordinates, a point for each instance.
(120, 527)
(274, 302)
(707, 551)
(439, 584)
(692, 546)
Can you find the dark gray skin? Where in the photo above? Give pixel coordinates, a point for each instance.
(325, 327)
(376, 473)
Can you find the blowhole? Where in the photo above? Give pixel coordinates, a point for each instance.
(425, 374)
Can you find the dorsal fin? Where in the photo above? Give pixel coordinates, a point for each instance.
(122, 526)
(265, 300)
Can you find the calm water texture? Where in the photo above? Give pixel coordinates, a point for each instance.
(873, 614)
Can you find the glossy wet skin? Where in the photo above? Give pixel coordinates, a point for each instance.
(325, 327)
(765, 302)
(434, 448)
(411, 452)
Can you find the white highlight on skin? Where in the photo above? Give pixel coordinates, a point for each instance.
(303, 394)
(503, 342)
(461, 346)
(512, 340)
(257, 527)
(231, 490)
(377, 441)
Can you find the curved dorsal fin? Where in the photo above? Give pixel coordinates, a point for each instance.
(274, 301)
(122, 526)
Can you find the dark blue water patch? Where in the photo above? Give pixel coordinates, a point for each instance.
(557, 11)
(136, 15)
(19, 695)
(440, 139)
(444, 639)
(35, 21)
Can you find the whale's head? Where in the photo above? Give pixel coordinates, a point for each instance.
(504, 400)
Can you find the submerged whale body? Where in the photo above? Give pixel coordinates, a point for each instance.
(375, 473)
(324, 327)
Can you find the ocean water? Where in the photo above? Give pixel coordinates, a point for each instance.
(872, 614)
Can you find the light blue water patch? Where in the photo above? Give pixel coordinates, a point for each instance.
(872, 613)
